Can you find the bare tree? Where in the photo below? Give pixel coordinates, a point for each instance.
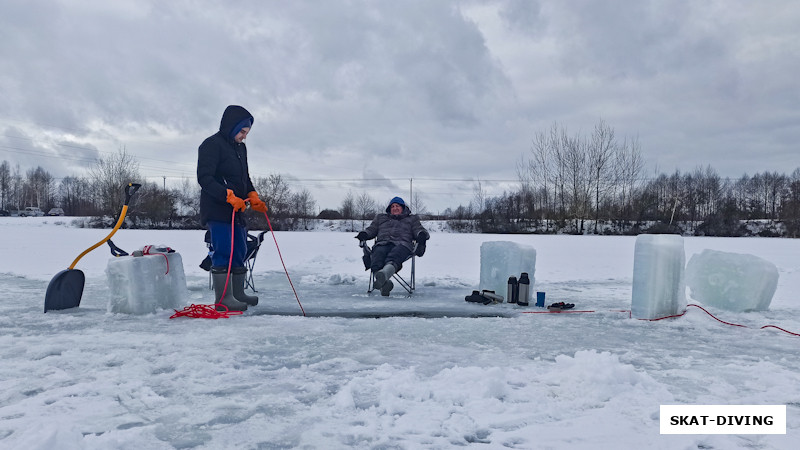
(348, 207)
(601, 151)
(775, 186)
(629, 165)
(790, 211)
(38, 188)
(549, 167)
(303, 206)
(479, 204)
(417, 204)
(16, 188)
(478, 196)
(188, 198)
(109, 177)
(578, 179)
(5, 184)
(275, 192)
(366, 207)
(75, 196)
(529, 199)
(157, 206)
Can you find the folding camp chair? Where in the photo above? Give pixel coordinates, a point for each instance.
(409, 285)
(253, 244)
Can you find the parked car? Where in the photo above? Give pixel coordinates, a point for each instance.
(32, 211)
(55, 212)
(4, 213)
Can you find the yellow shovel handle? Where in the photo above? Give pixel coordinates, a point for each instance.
(116, 227)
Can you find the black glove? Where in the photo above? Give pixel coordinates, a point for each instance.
(361, 236)
(420, 248)
(422, 237)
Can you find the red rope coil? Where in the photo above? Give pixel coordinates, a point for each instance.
(204, 312)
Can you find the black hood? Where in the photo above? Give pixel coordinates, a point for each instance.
(231, 117)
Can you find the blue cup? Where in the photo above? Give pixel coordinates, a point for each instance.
(540, 299)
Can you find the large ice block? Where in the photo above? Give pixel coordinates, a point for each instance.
(731, 281)
(144, 284)
(659, 289)
(502, 259)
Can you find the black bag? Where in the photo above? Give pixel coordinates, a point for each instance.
(367, 258)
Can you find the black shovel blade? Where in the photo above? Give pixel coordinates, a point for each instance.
(65, 290)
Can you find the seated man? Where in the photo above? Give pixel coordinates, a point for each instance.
(394, 232)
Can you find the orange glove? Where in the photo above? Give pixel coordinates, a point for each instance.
(256, 202)
(236, 202)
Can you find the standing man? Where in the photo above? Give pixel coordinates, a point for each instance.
(225, 184)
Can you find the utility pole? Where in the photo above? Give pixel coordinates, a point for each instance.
(411, 193)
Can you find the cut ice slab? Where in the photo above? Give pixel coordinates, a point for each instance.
(731, 281)
(144, 284)
(502, 259)
(659, 289)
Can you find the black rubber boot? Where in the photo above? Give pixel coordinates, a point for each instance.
(383, 275)
(218, 276)
(238, 279)
(387, 288)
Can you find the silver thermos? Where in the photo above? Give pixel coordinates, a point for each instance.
(524, 290)
(513, 290)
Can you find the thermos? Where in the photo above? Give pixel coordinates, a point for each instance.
(513, 290)
(524, 290)
(496, 298)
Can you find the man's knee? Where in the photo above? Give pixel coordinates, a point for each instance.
(397, 265)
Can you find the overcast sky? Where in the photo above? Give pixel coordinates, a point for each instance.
(429, 90)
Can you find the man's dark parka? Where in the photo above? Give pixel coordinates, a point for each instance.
(222, 165)
(399, 230)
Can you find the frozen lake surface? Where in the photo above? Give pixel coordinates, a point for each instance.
(370, 372)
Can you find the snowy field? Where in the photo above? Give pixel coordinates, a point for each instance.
(428, 373)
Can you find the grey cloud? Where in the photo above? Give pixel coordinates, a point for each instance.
(443, 89)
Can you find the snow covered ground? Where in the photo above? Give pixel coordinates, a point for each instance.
(427, 374)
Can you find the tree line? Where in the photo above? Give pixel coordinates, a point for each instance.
(100, 194)
(568, 182)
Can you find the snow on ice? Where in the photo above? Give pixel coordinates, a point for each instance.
(432, 372)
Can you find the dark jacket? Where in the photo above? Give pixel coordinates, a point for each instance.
(400, 230)
(222, 165)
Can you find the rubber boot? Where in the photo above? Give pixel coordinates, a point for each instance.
(219, 277)
(383, 275)
(238, 279)
(387, 288)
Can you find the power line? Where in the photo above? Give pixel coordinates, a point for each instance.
(45, 154)
(79, 147)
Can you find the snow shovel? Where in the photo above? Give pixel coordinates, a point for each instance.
(66, 288)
